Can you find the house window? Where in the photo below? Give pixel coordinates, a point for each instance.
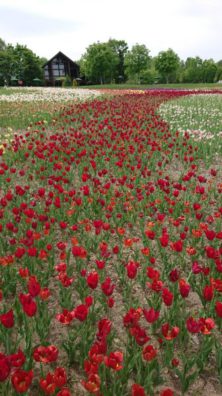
(56, 73)
(58, 68)
(46, 71)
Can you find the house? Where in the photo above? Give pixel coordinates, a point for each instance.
(57, 68)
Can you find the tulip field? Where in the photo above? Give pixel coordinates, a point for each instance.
(111, 248)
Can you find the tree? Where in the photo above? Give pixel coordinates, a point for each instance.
(209, 71)
(6, 65)
(218, 76)
(137, 60)
(43, 60)
(2, 45)
(26, 65)
(119, 48)
(197, 70)
(19, 63)
(193, 70)
(167, 63)
(99, 63)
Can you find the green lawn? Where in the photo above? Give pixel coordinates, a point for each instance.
(14, 90)
(21, 107)
(156, 86)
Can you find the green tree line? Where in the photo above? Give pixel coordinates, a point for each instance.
(112, 61)
(19, 64)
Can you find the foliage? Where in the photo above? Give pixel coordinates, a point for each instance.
(67, 82)
(218, 76)
(167, 62)
(199, 71)
(26, 65)
(209, 71)
(192, 70)
(119, 48)
(137, 61)
(19, 63)
(99, 63)
(6, 66)
(2, 44)
(112, 61)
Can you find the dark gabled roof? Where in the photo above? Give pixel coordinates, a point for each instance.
(62, 55)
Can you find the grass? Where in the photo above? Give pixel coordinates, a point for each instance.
(21, 115)
(155, 86)
(18, 114)
(21, 107)
(200, 115)
(14, 90)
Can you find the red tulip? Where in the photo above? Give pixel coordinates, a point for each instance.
(21, 380)
(114, 360)
(218, 309)
(45, 354)
(28, 304)
(81, 312)
(137, 390)
(92, 384)
(149, 353)
(167, 296)
(151, 315)
(7, 319)
(184, 288)
(5, 367)
(92, 280)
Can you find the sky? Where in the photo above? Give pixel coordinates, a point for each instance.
(190, 27)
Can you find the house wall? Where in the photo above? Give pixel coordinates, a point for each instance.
(58, 68)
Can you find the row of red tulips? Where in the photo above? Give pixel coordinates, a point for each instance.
(111, 254)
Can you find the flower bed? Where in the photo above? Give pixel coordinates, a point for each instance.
(39, 94)
(111, 255)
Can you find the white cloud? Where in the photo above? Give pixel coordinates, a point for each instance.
(190, 27)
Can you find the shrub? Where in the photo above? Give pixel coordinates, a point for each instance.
(67, 82)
